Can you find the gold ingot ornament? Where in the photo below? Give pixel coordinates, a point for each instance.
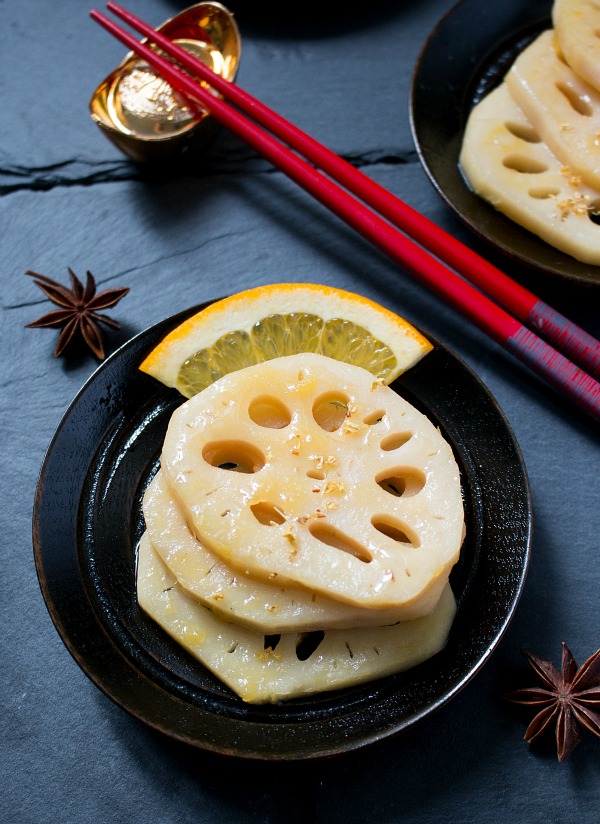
(142, 114)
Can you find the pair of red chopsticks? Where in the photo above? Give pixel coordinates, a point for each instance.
(506, 329)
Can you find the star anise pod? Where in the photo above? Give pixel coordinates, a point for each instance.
(570, 699)
(79, 310)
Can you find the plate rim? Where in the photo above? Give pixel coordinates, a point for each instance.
(147, 338)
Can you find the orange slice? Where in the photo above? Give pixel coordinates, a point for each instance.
(284, 319)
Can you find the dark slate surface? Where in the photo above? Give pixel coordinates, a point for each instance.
(70, 199)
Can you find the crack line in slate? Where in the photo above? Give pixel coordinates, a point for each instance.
(119, 172)
(182, 253)
(45, 178)
(24, 171)
(102, 283)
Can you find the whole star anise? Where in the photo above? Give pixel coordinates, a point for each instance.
(79, 310)
(569, 698)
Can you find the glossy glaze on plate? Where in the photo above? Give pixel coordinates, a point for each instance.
(466, 56)
(87, 521)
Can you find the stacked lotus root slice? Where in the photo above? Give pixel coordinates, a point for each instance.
(532, 146)
(301, 530)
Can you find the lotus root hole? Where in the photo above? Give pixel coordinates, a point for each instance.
(328, 534)
(401, 482)
(594, 212)
(395, 441)
(330, 410)
(271, 641)
(395, 530)
(267, 514)
(543, 192)
(307, 643)
(523, 132)
(524, 165)
(269, 412)
(375, 417)
(577, 102)
(236, 456)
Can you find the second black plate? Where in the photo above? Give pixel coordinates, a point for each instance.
(465, 57)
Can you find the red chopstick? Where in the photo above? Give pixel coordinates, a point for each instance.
(516, 299)
(506, 330)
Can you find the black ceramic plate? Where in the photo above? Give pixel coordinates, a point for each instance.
(87, 521)
(464, 58)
